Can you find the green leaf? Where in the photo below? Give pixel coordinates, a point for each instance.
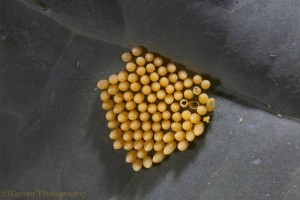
(54, 133)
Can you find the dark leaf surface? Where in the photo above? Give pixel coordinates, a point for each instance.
(53, 131)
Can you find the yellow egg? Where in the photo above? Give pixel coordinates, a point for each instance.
(180, 135)
(201, 110)
(137, 51)
(168, 137)
(158, 136)
(141, 153)
(130, 105)
(178, 85)
(152, 108)
(141, 70)
(198, 128)
(138, 144)
(163, 81)
(137, 165)
(104, 96)
(148, 145)
(156, 117)
(205, 84)
(149, 57)
(139, 98)
(113, 79)
(166, 124)
(135, 86)
(197, 90)
(176, 117)
(156, 126)
(182, 74)
(187, 125)
(108, 105)
(144, 116)
(203, 98)
(188, 82)
(195, 118)
(161, 94)
(126, 57)
(158, 61)
(122, 76)
(182, 145)
(118, 108)
(166, 114)
(113, 124)
(148, 135)
(162, 106)
(190, 136)
(151, 98)
(197, 79)
(142, 107)
(140, 61)
(125, 126)
(178, 95)
(103, 84)
(188, 94)
(175, 107)
(131, 66)
(147, 162)
(146, 89)
(128, 96)
(186, 115)
(154, 77)
(135, 125)
(159, 146)
(169, 99)
(210, 104)
(118, 98)
(131, 156)
(162, 71)
(158, 157)
(128, 145)
(115, 134)
(170, 89)
(132, 77)
(146, 126)
(127, 135)
(118, 143)
(155, 86)
(123, 117)
(124, 86)
(171, 67)
(176, 126)
(110, 115)
(173, 78)
(145, 79)
(150, 67)
(138, 134)
(133, 115)
(113, 89)
(170, 147)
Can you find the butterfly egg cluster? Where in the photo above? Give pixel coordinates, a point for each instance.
(153, 108)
